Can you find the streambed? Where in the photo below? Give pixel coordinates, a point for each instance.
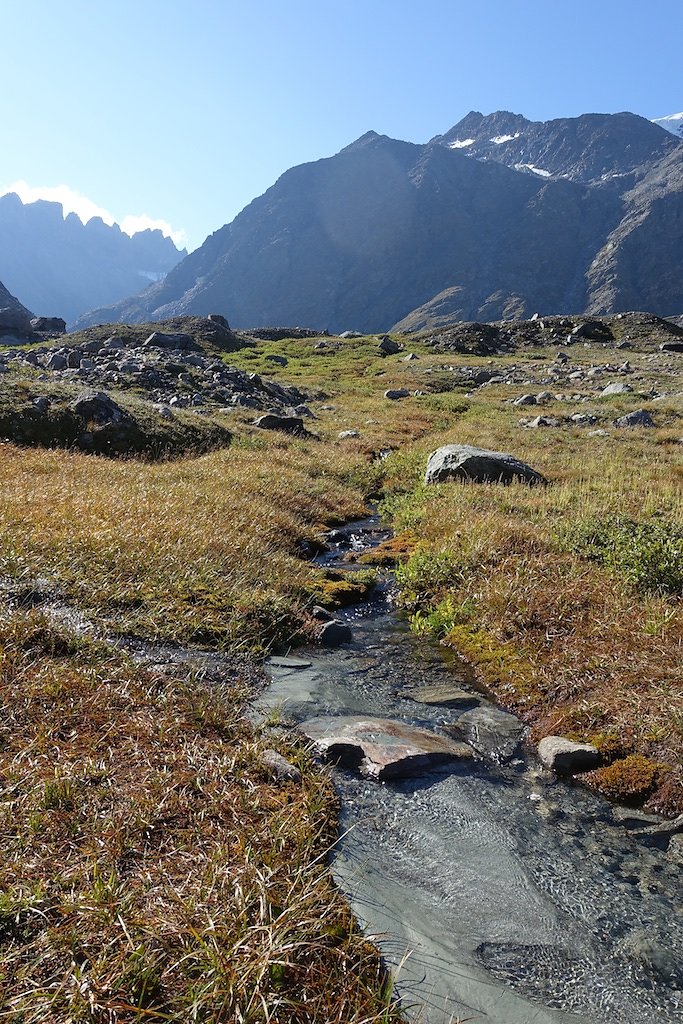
(496, 892)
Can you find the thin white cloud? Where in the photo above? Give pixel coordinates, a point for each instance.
(132, 224)
(86, 209)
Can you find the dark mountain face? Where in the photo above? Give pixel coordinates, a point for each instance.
(15, 318)
(62, 267)
(389, 233)
(640, 266)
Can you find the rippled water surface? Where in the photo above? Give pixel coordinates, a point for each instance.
(496, 892)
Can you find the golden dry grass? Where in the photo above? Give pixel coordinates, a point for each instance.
(199, 550)
(151, 869)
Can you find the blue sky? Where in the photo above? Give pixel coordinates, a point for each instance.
(183, 111)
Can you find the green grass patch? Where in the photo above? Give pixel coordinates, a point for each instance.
(647, 553)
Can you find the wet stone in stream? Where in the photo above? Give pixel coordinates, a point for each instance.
(382, 748)
(444, 693)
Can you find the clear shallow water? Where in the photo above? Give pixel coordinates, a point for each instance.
(496, 892)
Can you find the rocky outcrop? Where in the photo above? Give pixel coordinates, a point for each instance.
(94, 422)
(465, 462)
(288, 424)
(48, 324)
(178, 368)
(129, 392)
(15, 319)
(637, 418)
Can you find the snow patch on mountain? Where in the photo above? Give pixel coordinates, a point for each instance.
(534, 170)
(461, 143)
(500, 139)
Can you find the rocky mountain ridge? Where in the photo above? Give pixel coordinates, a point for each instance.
(63, 267)
(590, 149)
(574, 215)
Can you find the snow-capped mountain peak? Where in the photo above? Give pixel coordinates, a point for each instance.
(672, 122)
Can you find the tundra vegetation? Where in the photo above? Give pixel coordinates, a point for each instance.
(153, 867)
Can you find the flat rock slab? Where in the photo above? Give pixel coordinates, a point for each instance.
(382, 748)
(447, 694)
(293, 663)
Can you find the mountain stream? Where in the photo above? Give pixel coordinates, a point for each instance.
(496, 892)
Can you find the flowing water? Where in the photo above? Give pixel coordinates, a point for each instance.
(496, 892)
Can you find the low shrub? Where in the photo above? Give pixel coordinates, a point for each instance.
(648, 554)
(427, 577)
(631, 779)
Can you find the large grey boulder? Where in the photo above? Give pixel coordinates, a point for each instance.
(388, 347)
(526, 400)
(617, 387)
(57, 361)
(273, 421)
(335, 633)
(220, 320)
(465, 462)
(382, 748)
(49, 324)
(637, 418)
(567, 757)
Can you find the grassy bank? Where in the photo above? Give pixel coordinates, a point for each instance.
(205, 550)
(567, 598)
(151, 867)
